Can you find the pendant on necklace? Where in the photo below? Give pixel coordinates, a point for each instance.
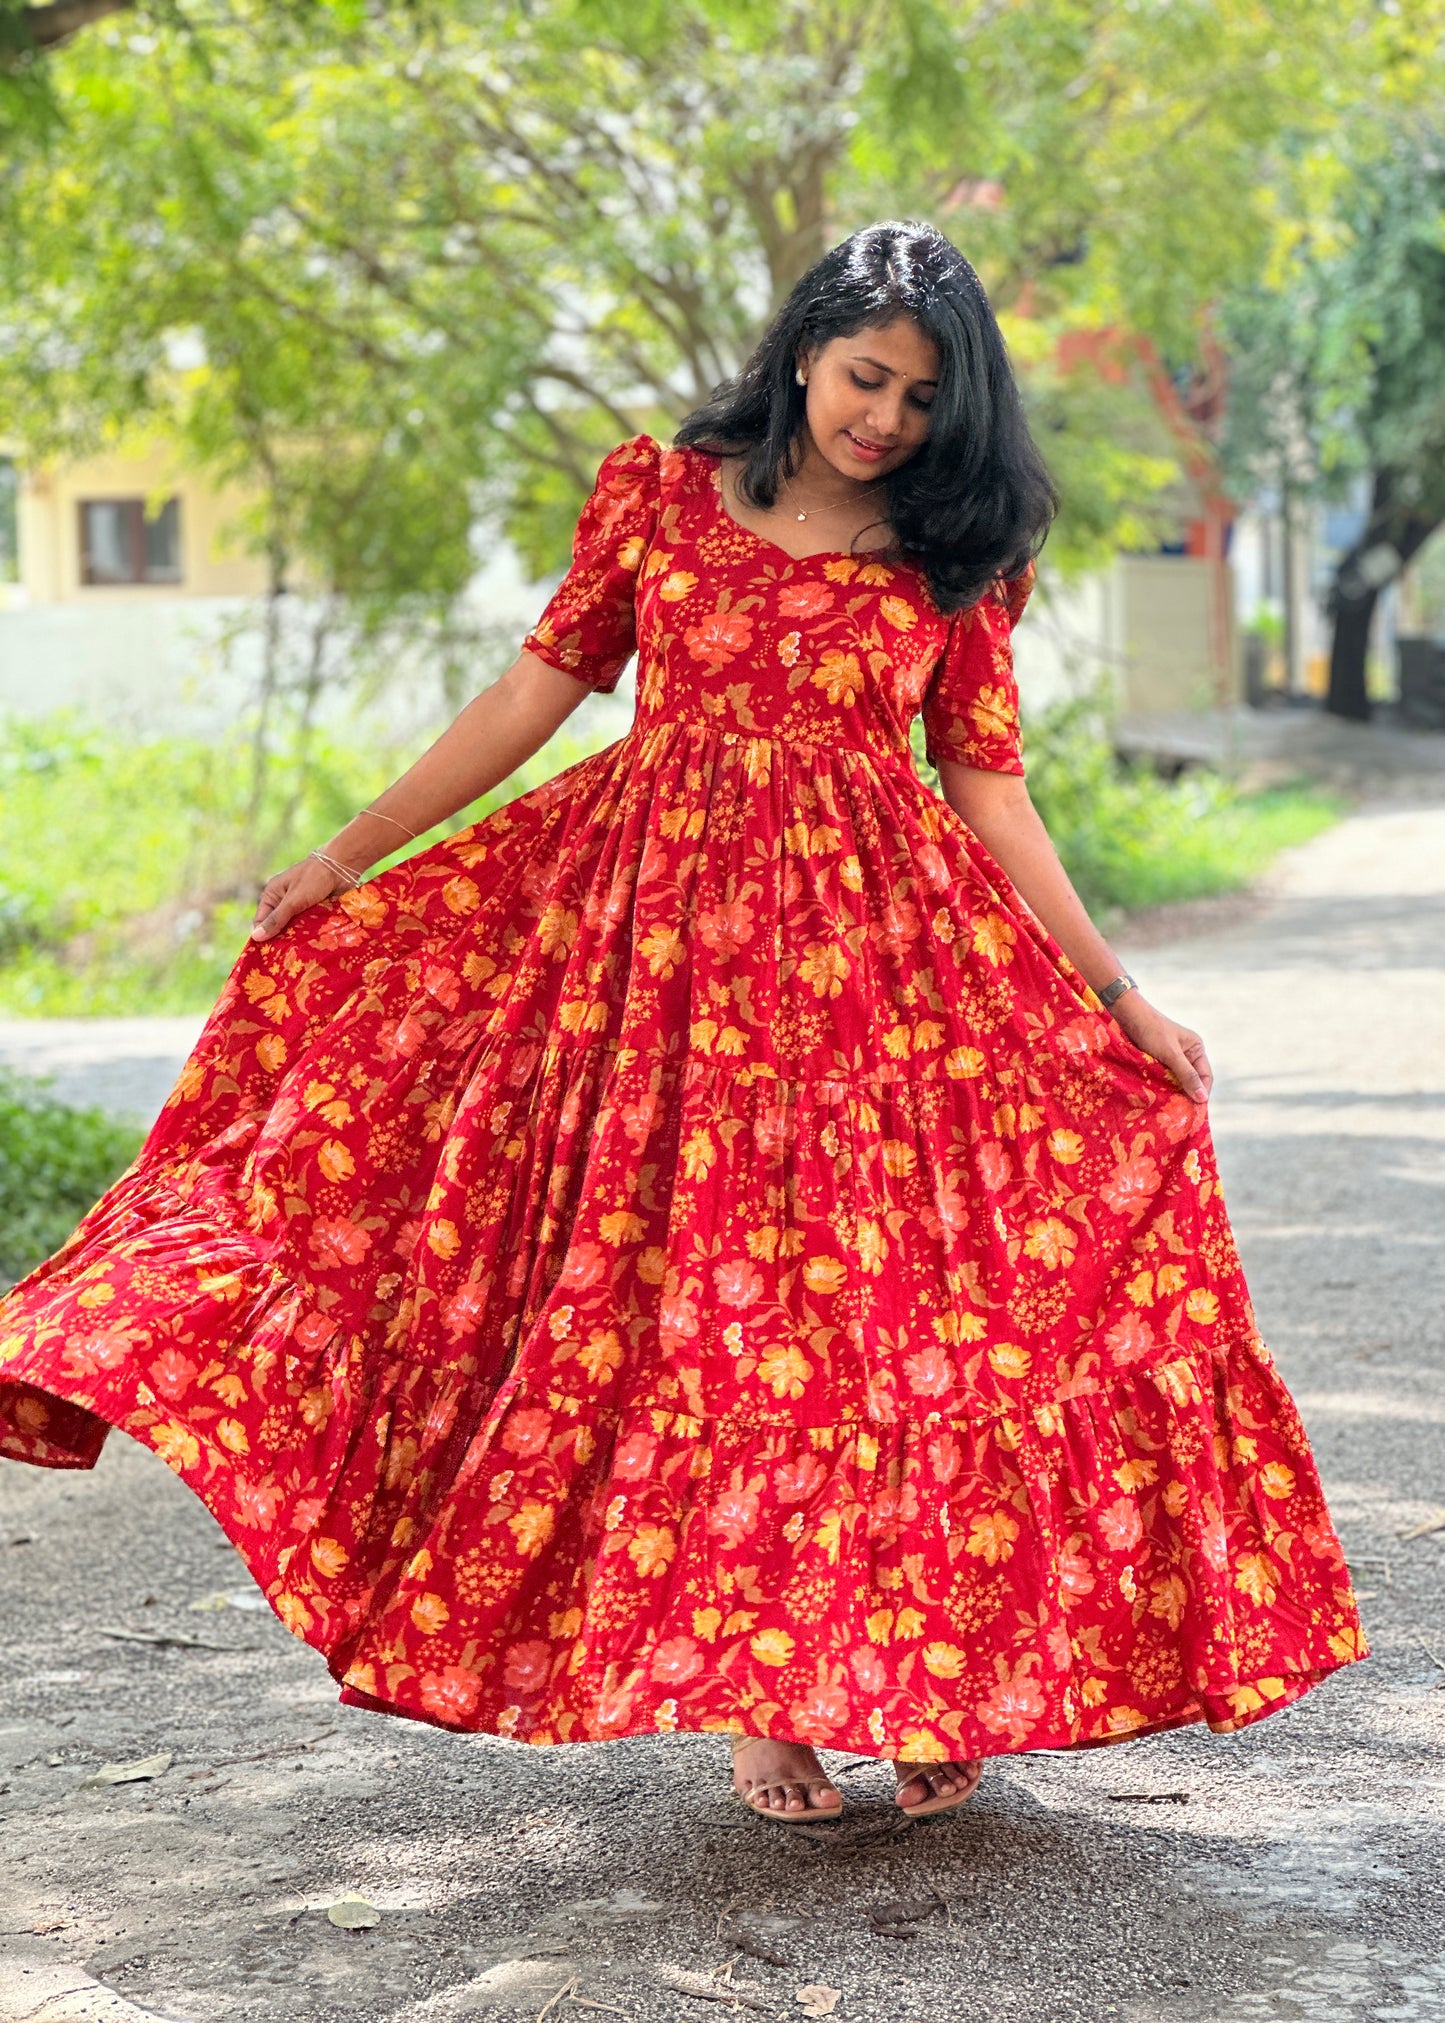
(802, 516)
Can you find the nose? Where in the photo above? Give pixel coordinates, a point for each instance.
(884, 415)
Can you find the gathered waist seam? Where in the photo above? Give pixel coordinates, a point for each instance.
(645, 726)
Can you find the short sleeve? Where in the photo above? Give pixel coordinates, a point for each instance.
(971, 706)
(589, 627)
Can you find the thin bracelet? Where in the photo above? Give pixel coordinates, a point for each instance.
(343, 871)
(392, 819)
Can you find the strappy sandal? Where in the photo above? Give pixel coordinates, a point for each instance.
(810, 1816)
(946, 1801)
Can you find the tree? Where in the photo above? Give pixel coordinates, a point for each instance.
(489, 238)
(1340, 373)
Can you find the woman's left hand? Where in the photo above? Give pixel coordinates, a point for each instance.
(1173, 1046)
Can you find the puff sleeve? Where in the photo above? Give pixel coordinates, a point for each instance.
(589, 627)
(971, 705)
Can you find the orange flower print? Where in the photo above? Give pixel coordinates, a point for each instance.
(651, 1549)
(790, 647)
(785, 1371)
(801, 1480)
(1013, 1708)
(734, 1515)
(820, 1713)
(738, 1283)
(1255, 1577)
(1131, 1340)
(804, 600)
(679, 583)
(994, 938)
(840, 676)
(676, 1661)
(772, 1647)
(1010, 1360)
(993, 714)
(1052, 1242)
(824, 1275)
(429, 1613)
(899, 613)
(1130, 1187)
(1277, 1480)
(728, 929)
(337, 1243)
(527, 1666)
(1120, 1525)
(720, 637)
(825, 967)
(450, 1695)
(930, 1373)
(992, 1537)
(532, 1527)
(601, 1355)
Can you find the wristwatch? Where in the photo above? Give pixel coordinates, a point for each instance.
(1110, 995)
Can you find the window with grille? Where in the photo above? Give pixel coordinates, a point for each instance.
(121, 543)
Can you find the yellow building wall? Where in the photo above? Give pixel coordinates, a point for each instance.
(49, 527)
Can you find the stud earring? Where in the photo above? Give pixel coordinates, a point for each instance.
(801, 376)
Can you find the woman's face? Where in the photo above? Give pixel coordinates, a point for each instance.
(869, 396)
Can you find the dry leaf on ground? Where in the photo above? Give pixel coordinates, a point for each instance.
(817, 2000)
(138, 1772)
(354, 1914)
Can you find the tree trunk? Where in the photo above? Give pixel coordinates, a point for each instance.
(1392, 536)
(1349, 648)
(46, 26)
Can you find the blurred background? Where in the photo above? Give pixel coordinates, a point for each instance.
(316, 319)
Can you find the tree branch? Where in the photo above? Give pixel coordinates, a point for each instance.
(46, 26)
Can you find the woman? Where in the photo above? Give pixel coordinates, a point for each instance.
(720, 1244)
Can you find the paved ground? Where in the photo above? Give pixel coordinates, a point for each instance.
(1297, 1871)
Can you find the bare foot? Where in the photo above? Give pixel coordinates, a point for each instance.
(935, 1787)
(783, 1778)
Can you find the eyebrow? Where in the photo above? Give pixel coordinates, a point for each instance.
(862, 358)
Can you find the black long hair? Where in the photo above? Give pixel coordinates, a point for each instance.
(974, 502)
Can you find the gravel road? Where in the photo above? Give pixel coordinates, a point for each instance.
(1295, 1871)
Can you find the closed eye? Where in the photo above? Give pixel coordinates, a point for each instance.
(872, 386)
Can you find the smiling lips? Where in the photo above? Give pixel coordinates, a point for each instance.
(872, 451)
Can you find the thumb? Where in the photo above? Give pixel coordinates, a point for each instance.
(273, 922)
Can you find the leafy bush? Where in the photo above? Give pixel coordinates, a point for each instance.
(129, 869)
(1130, 839)
(54, 1163)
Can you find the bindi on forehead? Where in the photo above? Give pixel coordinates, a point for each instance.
(893, 371)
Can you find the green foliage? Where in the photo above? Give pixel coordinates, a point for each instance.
(439, 258)
(55, 1162)
(1130, 839)
(126, 880)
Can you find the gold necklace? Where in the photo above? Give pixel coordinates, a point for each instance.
(838, 506)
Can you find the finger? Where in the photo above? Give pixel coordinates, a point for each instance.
(1199, 1061)
(282, 913)
(1182, 1069)
(271, 893)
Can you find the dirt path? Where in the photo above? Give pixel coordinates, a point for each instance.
(1297, 1871)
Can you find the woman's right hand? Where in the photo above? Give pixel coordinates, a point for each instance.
(290, 892)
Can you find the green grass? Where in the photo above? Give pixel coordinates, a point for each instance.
(54, 1163)
(1130, 839)
(128, 870)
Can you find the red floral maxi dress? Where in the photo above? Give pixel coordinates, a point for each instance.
(690, 1252)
